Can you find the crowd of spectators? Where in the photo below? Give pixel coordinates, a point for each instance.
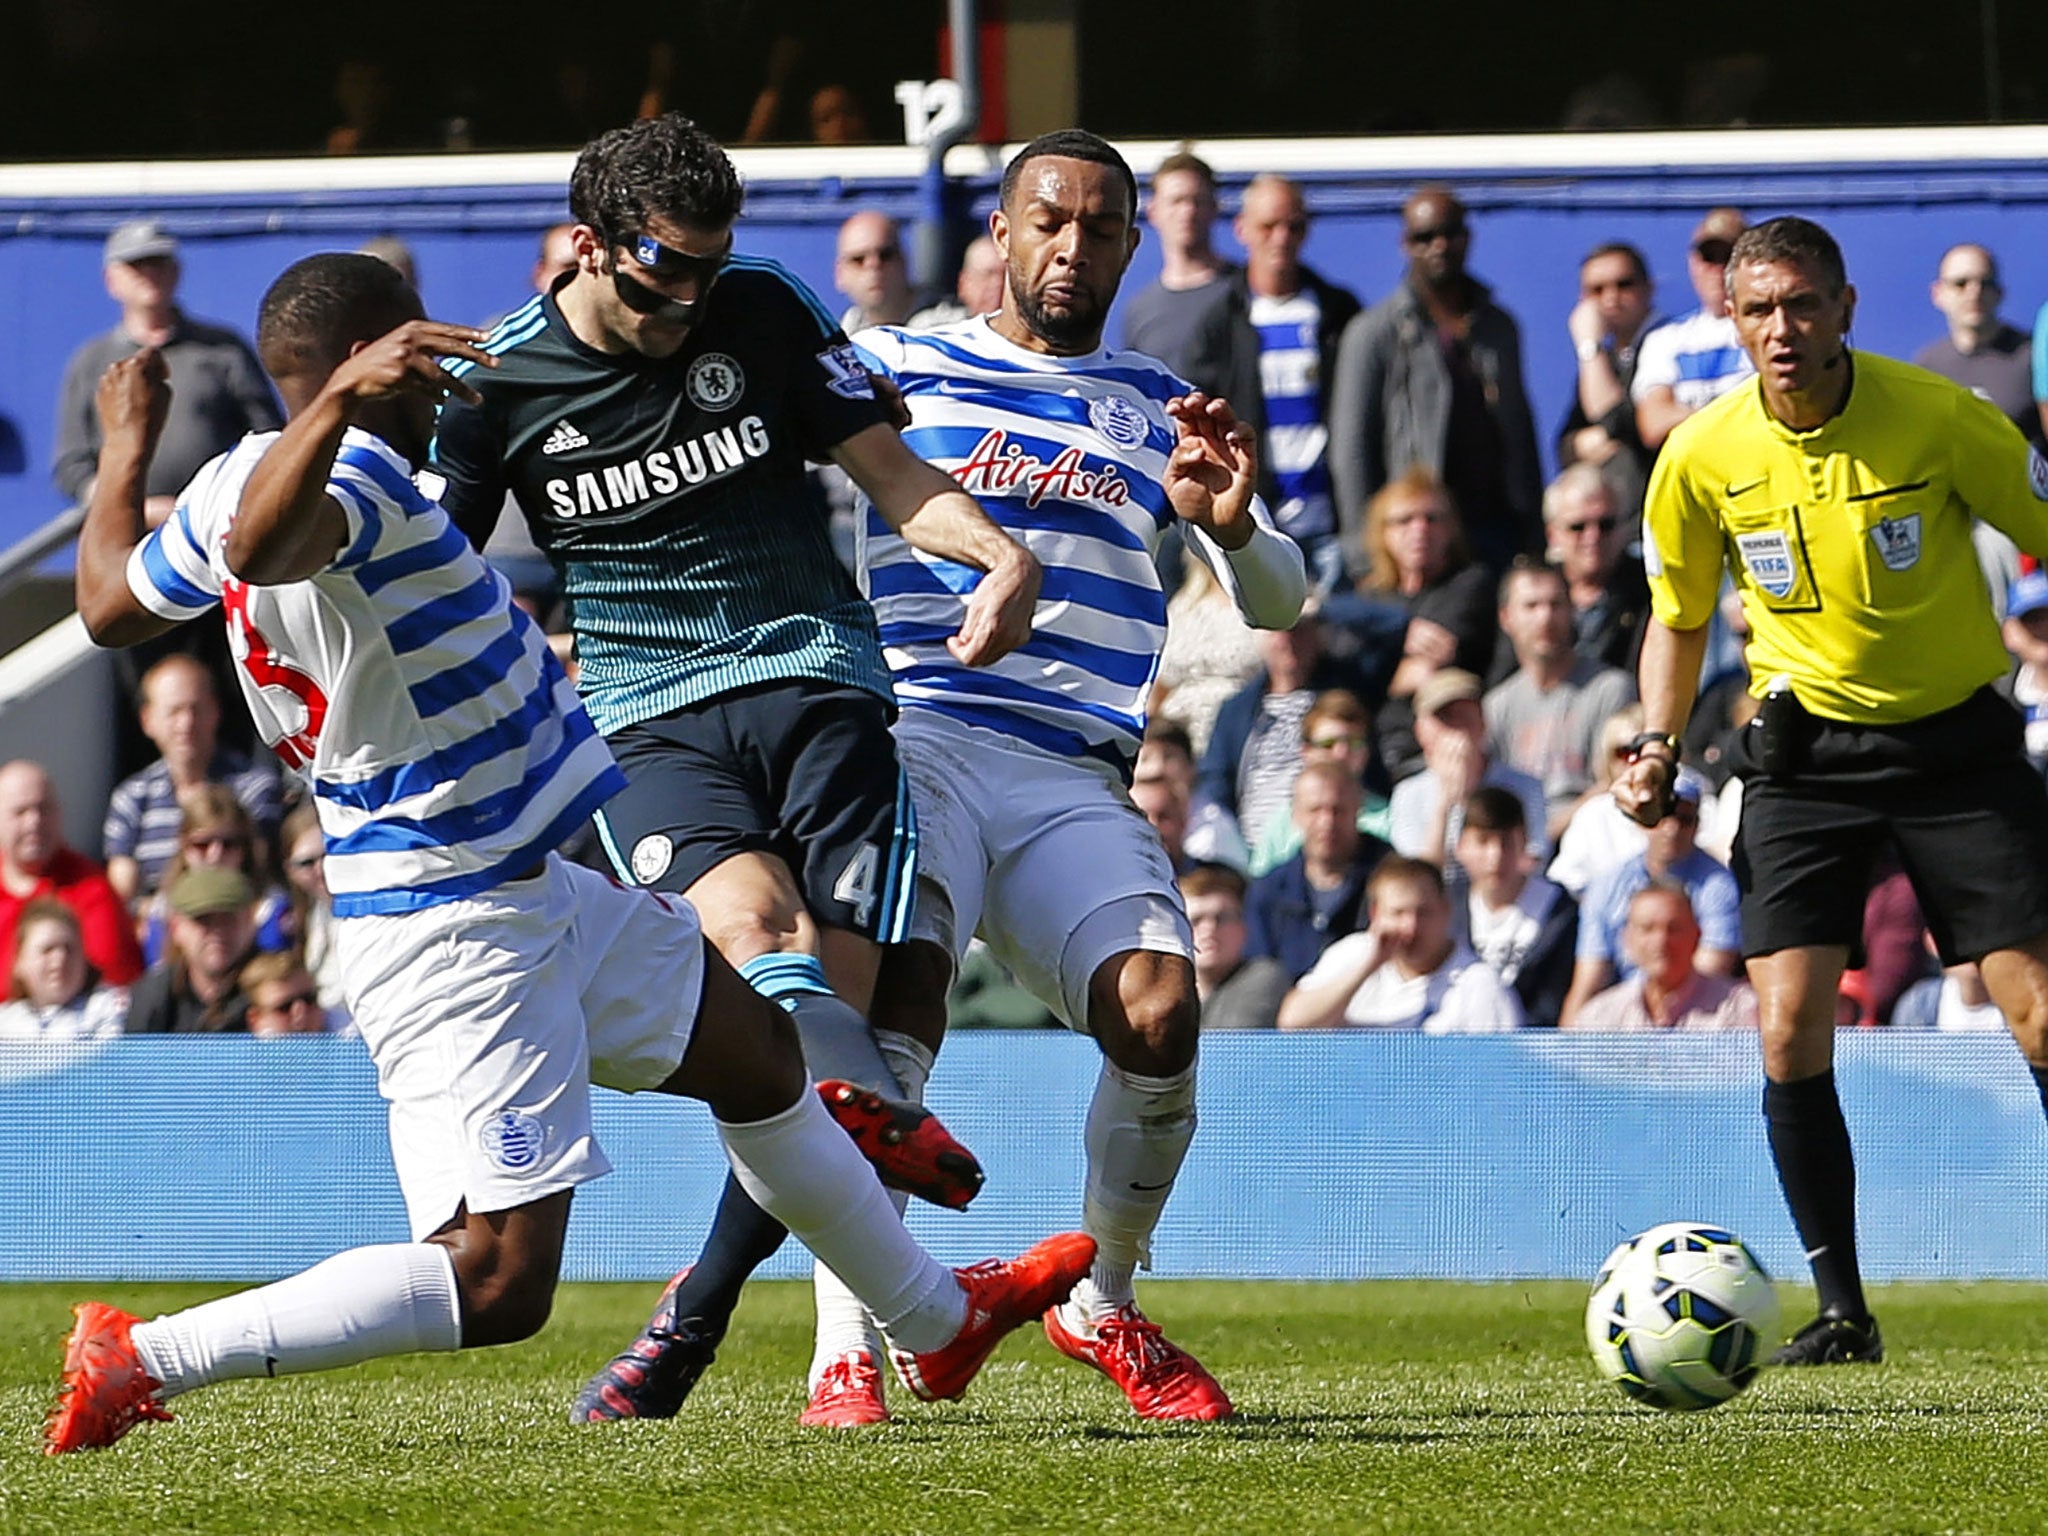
(1418, 773)
(1394, 814)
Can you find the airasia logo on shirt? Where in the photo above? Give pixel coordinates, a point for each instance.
(998, 467)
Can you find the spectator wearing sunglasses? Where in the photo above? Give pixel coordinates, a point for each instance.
(1432, 375)
(1685, 363)
(283, 998)
(869, 270)
(1981, 351)
(1588, 539)
(1614, 313)
(215, 832)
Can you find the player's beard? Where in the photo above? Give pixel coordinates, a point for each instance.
(1073, 330)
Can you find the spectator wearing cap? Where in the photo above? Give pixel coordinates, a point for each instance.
(2026, 635)
(196, 989)
(1689, 362)
(1981, 351)
(218, 395)
(1428, 808)
(1670, 853)
(1661, 937)
(218, 389)
(35, 862)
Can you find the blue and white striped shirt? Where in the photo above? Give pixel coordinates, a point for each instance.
(1297, 440)
(442, 741)
(1067, 454)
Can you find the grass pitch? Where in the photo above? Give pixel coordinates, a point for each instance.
(1394, 1407)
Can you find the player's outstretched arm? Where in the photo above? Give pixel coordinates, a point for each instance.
(928, 508)
(1210, 481)
(288, 527)
(133, 399)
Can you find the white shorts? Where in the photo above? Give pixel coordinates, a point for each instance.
(1026, 847)
(490, 1018)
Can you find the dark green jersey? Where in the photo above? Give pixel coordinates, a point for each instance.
(670, 493)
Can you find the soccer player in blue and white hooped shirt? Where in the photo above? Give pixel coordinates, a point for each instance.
(1017, 770)
(493, 982)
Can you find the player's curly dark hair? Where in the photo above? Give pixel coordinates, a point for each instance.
(1070, 144)
(661, 167)
(321, 305)
(1790, 238)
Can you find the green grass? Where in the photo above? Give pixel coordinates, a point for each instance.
(1379, 1407)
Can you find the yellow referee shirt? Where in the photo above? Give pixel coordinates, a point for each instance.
(1850, 544)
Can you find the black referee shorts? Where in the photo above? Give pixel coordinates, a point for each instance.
(800, 769)
(1953, 792)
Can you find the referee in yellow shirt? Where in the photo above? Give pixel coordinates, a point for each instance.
(1838, 490)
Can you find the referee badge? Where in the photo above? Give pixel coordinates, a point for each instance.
(1768, 559)
(1898, 541)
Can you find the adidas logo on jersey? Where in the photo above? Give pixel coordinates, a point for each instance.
(563, 438)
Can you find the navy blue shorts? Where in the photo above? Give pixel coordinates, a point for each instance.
(802, 770)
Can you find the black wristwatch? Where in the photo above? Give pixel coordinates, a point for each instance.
(1667, 802)
(1635, 745)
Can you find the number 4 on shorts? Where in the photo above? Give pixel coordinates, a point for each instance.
(856, 883)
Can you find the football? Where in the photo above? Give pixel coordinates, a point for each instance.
(1681, 1315)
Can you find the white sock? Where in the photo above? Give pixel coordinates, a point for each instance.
(843, 1323)
(359, 1305)
(1138, 1133)
(801, 1169)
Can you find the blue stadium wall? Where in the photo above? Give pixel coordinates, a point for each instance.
(1319, 1157)
(1896, 198)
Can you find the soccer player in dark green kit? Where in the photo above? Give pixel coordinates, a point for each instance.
(652, 415)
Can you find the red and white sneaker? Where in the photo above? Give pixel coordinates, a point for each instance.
(1002, 1296)
(106, 1391)
(1162, 1380)
(848, 1395)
